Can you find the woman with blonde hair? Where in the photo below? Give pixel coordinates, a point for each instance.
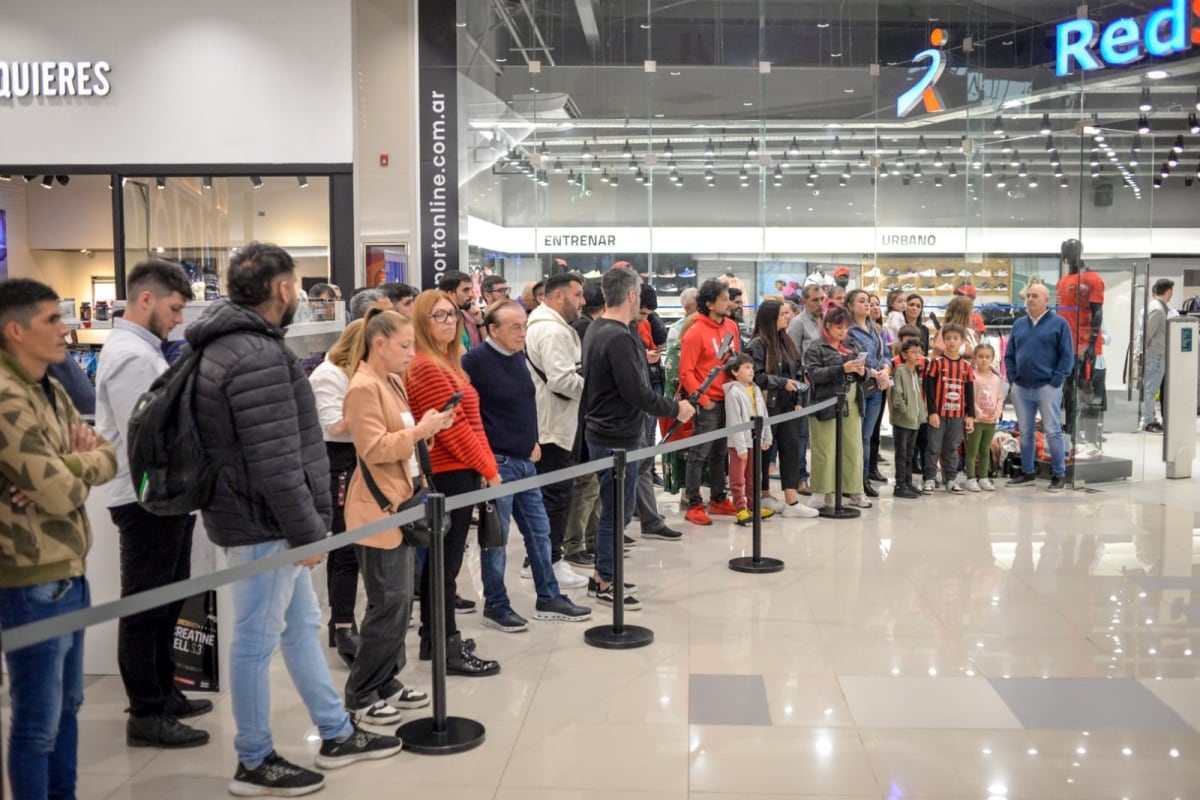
(461, 455)
(385, 436)
(958, 312)
(329, 381)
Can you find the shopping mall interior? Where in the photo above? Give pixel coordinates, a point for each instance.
(1015, 645)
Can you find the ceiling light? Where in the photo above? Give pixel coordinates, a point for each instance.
(752, 149)
(708, 149)
(63, 180)
(1054, 159)
(639, 176)
(1006, 147)
(674, 176)
(1033, 181)
(794, 148)
(1022, 172)
(952, 172)
(778, 174)
(917, 173)
(998, 126)
(1063, 183)
(837, 145)
(821, 160)
(586, 152)
(1178, 145)
(987, 170)
(937, 159)
(595, 166)
(29, 178)
(708, 164)
(1165, 171)
(899, 158)
(1143, 124)
(161, 183)
(1049, 143)
(1157, 74)
(1058, 172)
(862, 158)
(921, 149)
(669, 150)
(47, 181)
(747, 161)
(1193, 123)
(937, 182)
(633, 166)
(614, 180)
(257, 181)
(1097, 171)
(1045, 124)
(743, 176)
(1002, 181)
(1095, 161)
(604, 176)
(709, 175)
(558, 165)
(303, 181)
(843, 180)
(1015, 159)
(1158, 183)
(1172, 160)
(1133, 159)
(1144, 103)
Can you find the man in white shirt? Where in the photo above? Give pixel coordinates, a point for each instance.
(155, 550)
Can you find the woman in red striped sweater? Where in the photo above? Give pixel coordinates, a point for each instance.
(461, 455)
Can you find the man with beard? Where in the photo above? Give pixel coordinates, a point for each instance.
(255, 413)
(737, 313)
(458, 284)
(554, 352)
(155, 550)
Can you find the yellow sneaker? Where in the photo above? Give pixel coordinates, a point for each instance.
(766, 513)
(744, 515)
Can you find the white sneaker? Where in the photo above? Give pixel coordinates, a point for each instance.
(798, 510)
(972, 485)
(986, 485)
(773, 503)
(527, 572)
(568, 578)
(379, 713)
(927, 487)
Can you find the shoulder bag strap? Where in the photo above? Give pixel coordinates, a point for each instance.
(385, 505)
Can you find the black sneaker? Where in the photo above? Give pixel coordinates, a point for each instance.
(629, 541)
(275, 777)
(594, 586)
(180, 707)
(666, 533)
(1024, 479)
(504, 619)
(359, 746)
(606, 596)
(1057, 484)
(162, 731)
(462, 606)
(581, 559)
(561, 609)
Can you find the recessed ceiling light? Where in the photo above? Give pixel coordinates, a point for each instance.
(848, 91)
(645, 26)
(674, 74)
(835, 55)
(748, 103)
(1157, 74)
(501, 60)
(566, 126)
(1007, 42)
(822, 24)
(460, 24)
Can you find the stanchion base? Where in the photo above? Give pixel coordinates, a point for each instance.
(459, 736)
(605, 637)
(846, 512)
(748, 564)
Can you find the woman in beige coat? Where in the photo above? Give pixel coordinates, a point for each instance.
(385, 438)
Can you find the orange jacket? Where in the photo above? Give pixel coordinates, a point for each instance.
(698, 355)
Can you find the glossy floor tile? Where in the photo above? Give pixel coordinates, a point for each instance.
(1015, 645)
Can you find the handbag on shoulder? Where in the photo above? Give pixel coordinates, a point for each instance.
(417, 533)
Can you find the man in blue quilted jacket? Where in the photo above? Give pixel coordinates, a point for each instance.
(256, 414)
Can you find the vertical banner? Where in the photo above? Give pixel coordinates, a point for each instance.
(437, 93)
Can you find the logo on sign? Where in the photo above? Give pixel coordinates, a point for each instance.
(1165, 31)
(925, 89)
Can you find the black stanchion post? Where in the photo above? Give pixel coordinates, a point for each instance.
(618, 636)
(839, 511)
(440, 734)
(756, 563)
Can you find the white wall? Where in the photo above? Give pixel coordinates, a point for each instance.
(223, 81)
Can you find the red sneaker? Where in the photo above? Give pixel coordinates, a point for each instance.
(722, 509)
(696, 515)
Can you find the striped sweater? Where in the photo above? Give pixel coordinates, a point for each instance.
(463, 445)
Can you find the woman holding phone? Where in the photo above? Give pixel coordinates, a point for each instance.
(385, 436)
(835, 365)
(461, 458)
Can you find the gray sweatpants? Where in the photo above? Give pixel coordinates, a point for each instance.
(944, 439)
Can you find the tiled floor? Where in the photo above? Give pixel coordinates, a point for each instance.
(1016, 645)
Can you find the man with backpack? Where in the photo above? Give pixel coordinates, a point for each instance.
(155, 550)
(255, 414)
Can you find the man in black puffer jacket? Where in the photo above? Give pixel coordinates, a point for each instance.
(258, 419)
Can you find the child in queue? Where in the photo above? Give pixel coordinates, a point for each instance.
(950, 398)
(743, 400)
(909, 413)
(990, 390)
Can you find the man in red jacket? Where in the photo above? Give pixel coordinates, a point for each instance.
(697, 356)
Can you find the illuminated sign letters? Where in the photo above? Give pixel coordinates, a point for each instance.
(54, 79)
(1167, 30)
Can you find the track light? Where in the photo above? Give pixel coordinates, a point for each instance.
(47, 181)
(1143, 124)
(586, 152)
(752, 149)
(862, 158)
(303, 181)
(1002, 181)
(1007, 146)
(709, 152)
(953, 171)
(921, 149)
(1144, 104)
(1015, 159)
(1045, 124)
(63, 180)
(998, 126)
(1023, 172)
(837, 145)
(1178, 145)
(1193, 123)
(793, 148)
(1133, 159)
(1033, 181)
(937, 159)
(1049, 143)
(257, 181)
(160, 182)
(987, 170)
(917, 173)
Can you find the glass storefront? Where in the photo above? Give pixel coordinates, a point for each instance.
(923, 146)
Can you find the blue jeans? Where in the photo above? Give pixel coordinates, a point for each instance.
(874, 408)
(46, 687)
(605, 532)
(1156, 368)
(277, 608)
(534, 525)
(1047, 401)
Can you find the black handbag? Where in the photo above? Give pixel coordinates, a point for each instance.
(491, 533)
(416, 533)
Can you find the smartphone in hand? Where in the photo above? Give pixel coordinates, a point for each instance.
(452, 403)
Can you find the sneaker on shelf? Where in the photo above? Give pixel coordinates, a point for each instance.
(871, 287)
(666, 533)
(686, 273)
(928, 273)
(561, 609)
(964, 273)
(893, 273)
(722, 509)
(946, 273)
(593, 275)
(379, 713)
(462, 606)
(275, 777)
(594, 586)
(401, 696)
(504, 619)
(1024, 479)
(607, 597)
(872, 273)
(358, 746)
(581, 559)
(946, 287)
(744, 516)
(798, 510)
(972, 485)
(909, 287)
(983, 273)
(986, 485)
(1001, 286)
(1001, 273)
(986, 286)
(1057, 484)
(697, 515)
(568, 578)
(927, 487)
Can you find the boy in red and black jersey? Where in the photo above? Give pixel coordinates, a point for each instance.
(950, 397)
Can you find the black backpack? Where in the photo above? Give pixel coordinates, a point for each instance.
(170, 469)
